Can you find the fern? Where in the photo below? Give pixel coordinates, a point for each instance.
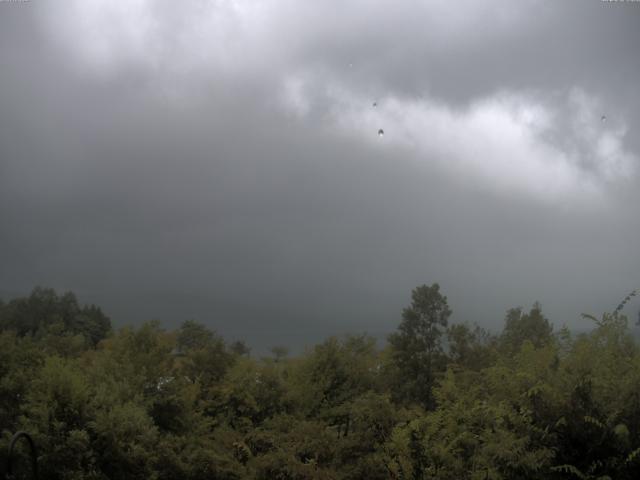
(625, 301)
(633, 456)
(569, 469)
(594, 421)
(599, 323)
(562, 422)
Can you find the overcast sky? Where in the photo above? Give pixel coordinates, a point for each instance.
(220, 159)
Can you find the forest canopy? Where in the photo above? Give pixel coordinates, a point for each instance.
(439, 400)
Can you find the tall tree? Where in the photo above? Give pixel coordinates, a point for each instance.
(416, 348)
(207, 358)
(45, 312)
(194, 335)
(520, 326)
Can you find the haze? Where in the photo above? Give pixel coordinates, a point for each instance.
(219, 160)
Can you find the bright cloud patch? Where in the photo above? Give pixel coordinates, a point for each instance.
(168, 36)
(241, 34)
(508, 142)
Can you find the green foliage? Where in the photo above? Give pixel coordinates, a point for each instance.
(206, 358)
(125, 436)
(145, 403)
(417, 348)
(194, 336)
(520, 327)
(335, 373)
(472, 348)
(626, 300)
(20, 360)
(57, 411)
(251, 394)
(44, 312)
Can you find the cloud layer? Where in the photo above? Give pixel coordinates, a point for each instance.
(551, 145)
(220, 159)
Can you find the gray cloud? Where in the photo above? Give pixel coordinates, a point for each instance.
(219, 160)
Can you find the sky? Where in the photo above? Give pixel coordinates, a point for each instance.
(219, 160)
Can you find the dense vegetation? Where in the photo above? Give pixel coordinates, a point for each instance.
(439, 401)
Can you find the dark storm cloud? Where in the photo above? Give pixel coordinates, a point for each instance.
(219, 160)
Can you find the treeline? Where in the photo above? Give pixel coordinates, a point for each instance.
(147, 403)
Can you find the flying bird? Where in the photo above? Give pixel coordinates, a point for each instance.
(381, 133)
